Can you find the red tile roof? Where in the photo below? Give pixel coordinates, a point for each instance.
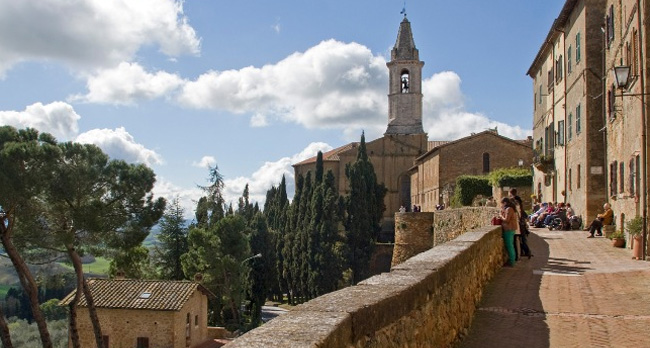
(331, 155)
(126, 294)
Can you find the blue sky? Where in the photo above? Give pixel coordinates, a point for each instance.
(254, 86)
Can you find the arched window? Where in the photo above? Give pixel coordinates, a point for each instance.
(486, 162)
(405, 81)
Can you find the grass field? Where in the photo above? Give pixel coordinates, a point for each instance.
(99, 267)
(3, 290)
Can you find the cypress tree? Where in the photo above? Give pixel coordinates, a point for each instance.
(365, 207)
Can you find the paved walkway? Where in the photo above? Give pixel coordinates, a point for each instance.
(575, 292)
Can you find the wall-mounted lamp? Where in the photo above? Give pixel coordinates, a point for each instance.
(520, 162)
(622, 74)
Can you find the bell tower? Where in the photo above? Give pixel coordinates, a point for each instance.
(405, 84)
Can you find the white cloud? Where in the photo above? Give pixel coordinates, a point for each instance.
(57, 118)
(445, 116)
(127, 84)
(205, 162)
(331, 85)
(269, 174)
(187, 197)
(86, 34)
(119, 144)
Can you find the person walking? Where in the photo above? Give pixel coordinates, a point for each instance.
(509, 225)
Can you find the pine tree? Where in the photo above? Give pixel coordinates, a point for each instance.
(365, 207)
(172, 243)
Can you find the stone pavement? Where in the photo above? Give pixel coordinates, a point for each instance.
(575, 292)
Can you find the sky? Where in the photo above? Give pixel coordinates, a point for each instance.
(256, 86)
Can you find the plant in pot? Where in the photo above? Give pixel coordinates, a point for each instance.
(635, 228)
(618, 239)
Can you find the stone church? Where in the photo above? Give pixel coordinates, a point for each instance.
(394, 155)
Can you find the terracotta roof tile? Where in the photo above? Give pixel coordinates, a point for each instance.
(126, 293)
(331, 155)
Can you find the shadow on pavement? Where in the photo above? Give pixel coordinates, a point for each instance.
(510, 313)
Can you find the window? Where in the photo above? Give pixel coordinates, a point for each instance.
(550, 80)
(569, 127)
(635, 54)
(613, 175)
(560, 133)
(578, 178)
(610, 104)
(188, 334)
(578, 126)
(142, 342)
(632, 181)
(540, 94)
(558, 69)
(105, 341)
(637, 174)
(569, 65)
(196, 320)
(621, 169)
(610, 25)
(578, 48)
(404, 76)
(486, 162)
(570, 180)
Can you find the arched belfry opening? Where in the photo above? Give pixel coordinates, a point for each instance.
(405, 79)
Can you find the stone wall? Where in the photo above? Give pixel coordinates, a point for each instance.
(427, 301)
(451, 223)
(413, 235)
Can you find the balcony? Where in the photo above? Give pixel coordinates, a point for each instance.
(544, 163)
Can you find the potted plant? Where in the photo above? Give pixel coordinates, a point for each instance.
(618, 239)
(635, 228)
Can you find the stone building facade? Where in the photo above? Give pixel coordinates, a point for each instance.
(569, 147)
(434, 174)
(142, 313)
(626, 127)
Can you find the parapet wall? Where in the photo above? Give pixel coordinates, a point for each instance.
(427, 301)
(451, 223)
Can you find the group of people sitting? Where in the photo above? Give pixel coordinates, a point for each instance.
(555, 215)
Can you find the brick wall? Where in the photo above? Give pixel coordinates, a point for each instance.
(427, 301)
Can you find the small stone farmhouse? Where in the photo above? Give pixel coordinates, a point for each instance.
(145, 313)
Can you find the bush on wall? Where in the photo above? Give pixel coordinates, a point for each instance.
(468, 187)
(510, 177)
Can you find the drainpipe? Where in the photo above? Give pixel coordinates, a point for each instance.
(564, 145)
(644, 152)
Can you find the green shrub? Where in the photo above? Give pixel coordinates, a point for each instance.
(511, 177)
(468, 187)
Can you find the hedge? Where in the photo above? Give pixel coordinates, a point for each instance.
(468, 187)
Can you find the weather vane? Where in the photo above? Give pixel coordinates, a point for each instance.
(404, 9)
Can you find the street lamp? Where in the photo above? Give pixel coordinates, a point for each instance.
(622, 74)
(256, 256)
